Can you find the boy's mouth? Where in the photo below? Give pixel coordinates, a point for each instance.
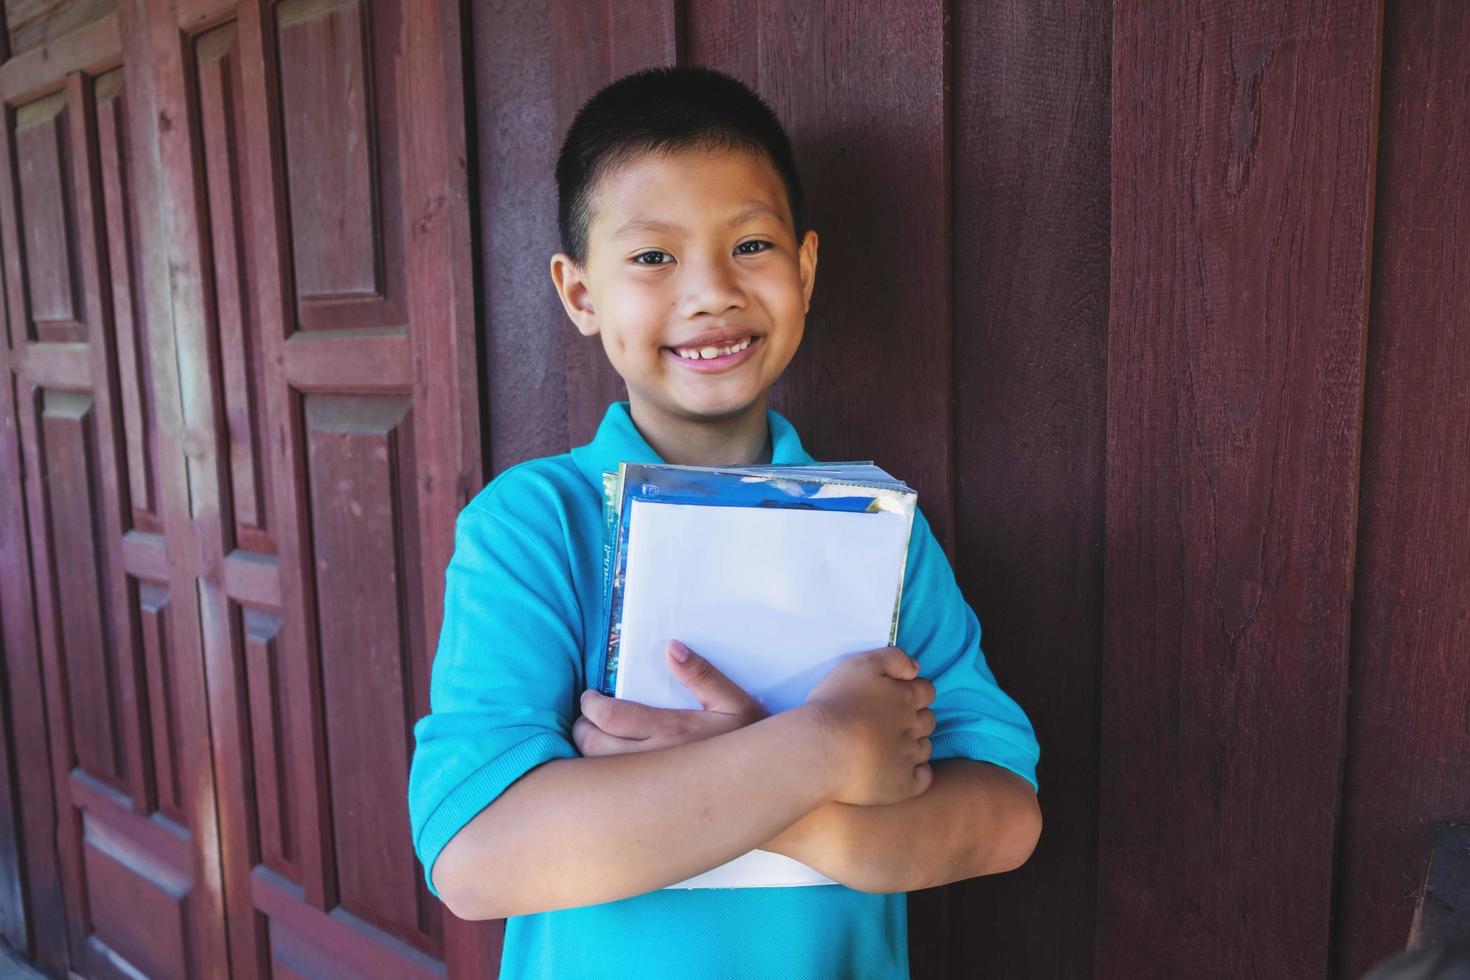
(714, 357)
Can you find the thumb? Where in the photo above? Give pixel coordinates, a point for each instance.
(705, 681)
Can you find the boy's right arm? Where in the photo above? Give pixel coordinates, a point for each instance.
(581, 831)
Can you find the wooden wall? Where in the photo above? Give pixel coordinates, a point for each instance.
(1162, 308)
(1096, 278)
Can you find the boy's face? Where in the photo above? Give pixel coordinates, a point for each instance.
(692, 249)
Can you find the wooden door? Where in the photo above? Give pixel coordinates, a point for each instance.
(241, 326)
(316, 230)
(126, 717)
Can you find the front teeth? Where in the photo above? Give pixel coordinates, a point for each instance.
(706, 353)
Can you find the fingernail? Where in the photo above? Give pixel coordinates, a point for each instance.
(679, 650)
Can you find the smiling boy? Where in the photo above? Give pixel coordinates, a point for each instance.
(684, 249)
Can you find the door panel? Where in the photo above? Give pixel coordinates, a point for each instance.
(135, 869)
(241, 342)
(333, 438)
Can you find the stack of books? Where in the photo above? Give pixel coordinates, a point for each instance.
(774, 574)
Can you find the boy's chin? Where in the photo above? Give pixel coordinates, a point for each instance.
(709, 407)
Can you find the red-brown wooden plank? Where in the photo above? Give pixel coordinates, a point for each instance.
(36, 923)
(526, 333)
(865, 109)
(134, 381)
(114, 508)
(91, 48)
(38, 28)
(265, 214)
(618, 39)
(440, 301)
(340, 339)
(1029, 125)
(1242, 167)
(864, 106)
(1408, 766)
(155, 130)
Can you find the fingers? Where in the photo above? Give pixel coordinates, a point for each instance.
(708, 684)
(923, 778)
(593, 741)
(927, 721)
(624, 719)
(896, 663)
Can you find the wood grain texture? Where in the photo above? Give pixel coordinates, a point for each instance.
(371, 441)
(863, 100)
(37, 23)
(1242, 165)
(545, 387)
(1240, 638)
(1408, 763)
(184, 239)
(1031, 224)
(35, 916)
(96, 621)
(524, 332)
(865, 108)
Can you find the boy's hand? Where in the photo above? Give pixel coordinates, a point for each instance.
(874, 709)
(609, 726)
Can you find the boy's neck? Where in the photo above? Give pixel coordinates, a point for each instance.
(739, 440)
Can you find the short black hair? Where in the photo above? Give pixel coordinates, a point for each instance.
(663, 110)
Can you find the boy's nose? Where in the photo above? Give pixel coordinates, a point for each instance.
(711, 286)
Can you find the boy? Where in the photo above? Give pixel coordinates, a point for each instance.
(684, 250)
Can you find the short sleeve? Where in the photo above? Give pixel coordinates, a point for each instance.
(974, 718)
(504, 677)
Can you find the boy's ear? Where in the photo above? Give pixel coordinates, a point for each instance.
(576, 298)
(807, 260)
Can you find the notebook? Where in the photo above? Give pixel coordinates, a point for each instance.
(773, 573)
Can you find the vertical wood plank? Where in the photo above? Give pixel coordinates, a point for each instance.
(525, 332)
(440, 275)
(265, 215)
(36, 923)
(1242, 150)
(864, 102)
(63, 753)
(183, 239)
(1030, 170)
(545, 386)
(865, 107)
(157, 118)
(1408, 767)
(618, 41)
(113, 490)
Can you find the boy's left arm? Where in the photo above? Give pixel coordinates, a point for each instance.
(974, 819)
(980, 815)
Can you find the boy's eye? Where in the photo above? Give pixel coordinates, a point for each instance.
(663, 257)
(642, 255)
(754, 241)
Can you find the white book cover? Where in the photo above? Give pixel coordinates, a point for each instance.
(774, 597)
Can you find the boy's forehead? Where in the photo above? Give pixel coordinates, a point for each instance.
(652, 191)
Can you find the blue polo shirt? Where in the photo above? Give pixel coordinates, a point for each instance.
(524, 619)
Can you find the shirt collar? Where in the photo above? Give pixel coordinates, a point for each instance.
(619, 441)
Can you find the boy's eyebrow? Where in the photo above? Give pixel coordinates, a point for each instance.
(637, 224)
